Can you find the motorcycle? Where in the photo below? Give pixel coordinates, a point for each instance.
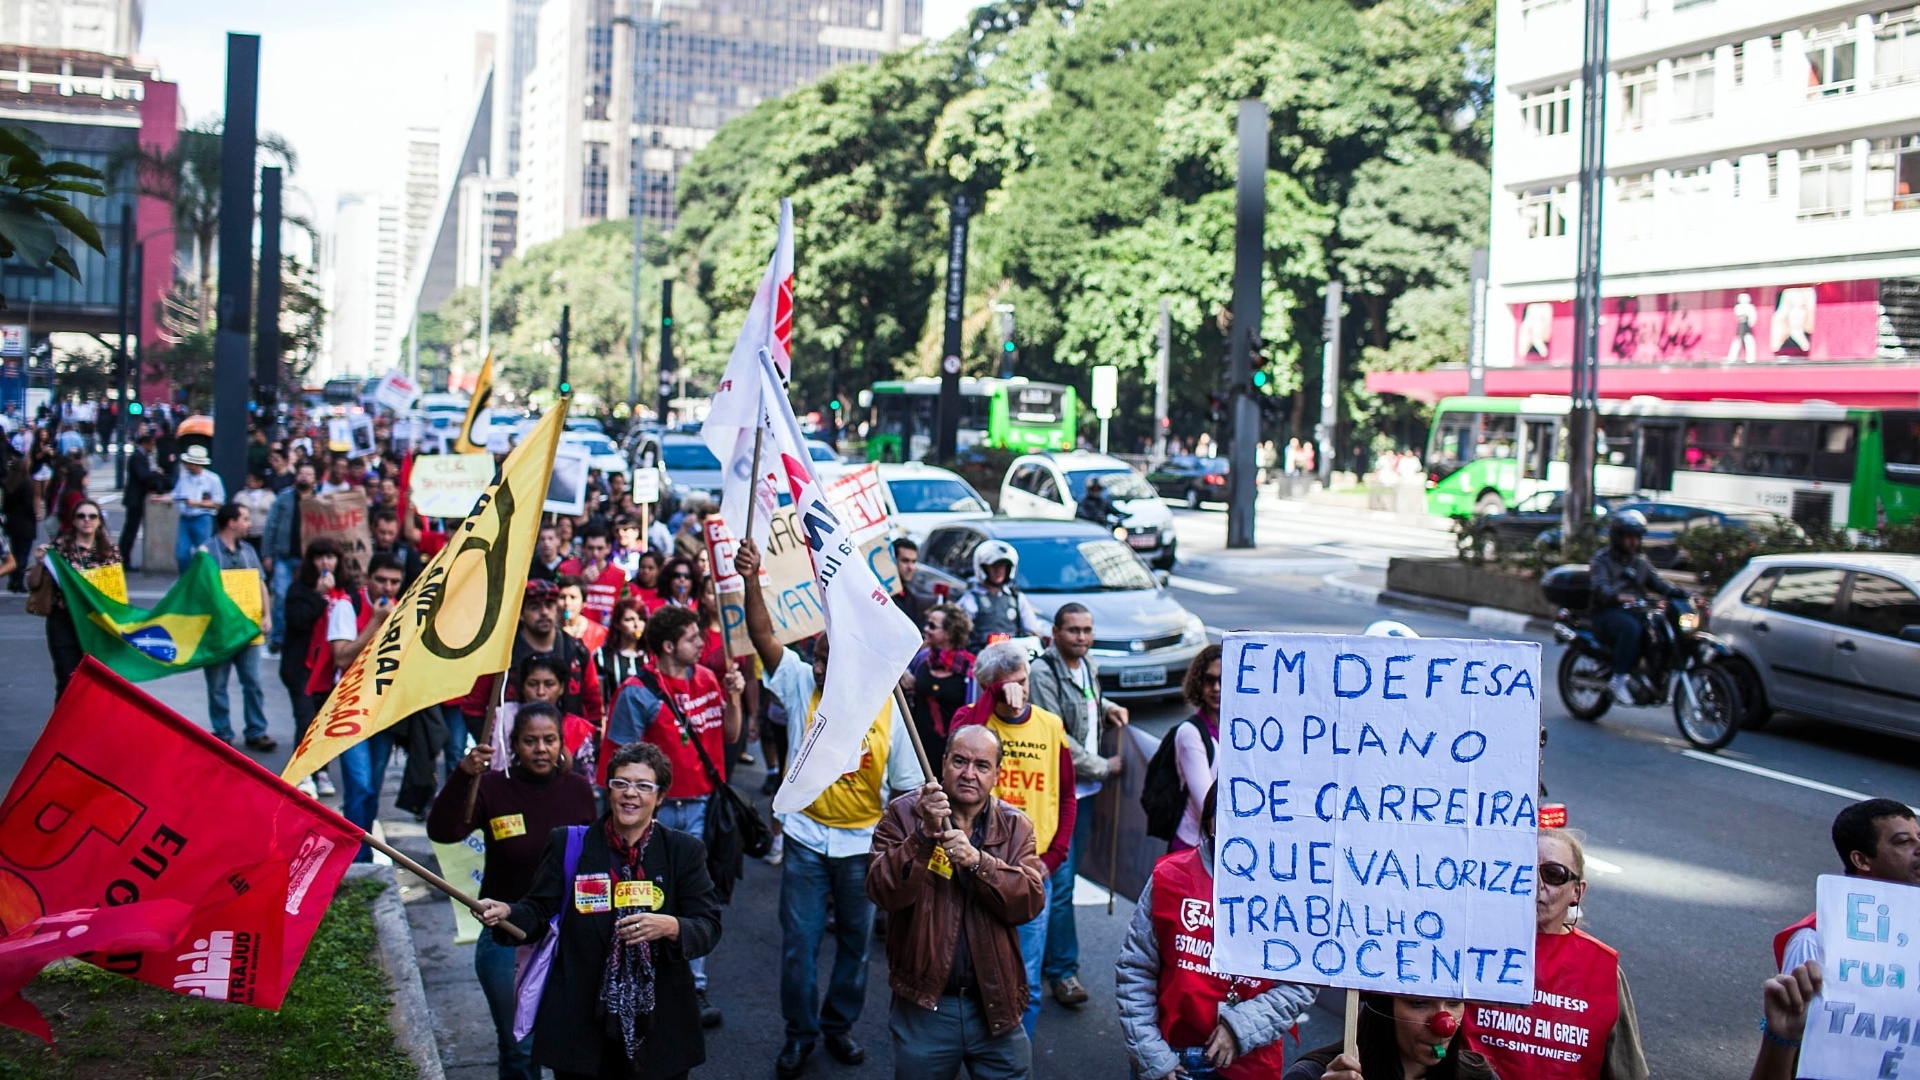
(1680, 663)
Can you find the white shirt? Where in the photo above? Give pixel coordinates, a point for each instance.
(1803, 946)
(1078, 673)
(206, 485)
(328, 487)
(343, 624)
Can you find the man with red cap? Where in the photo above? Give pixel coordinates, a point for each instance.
(540, 635)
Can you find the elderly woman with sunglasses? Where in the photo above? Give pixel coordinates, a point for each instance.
(1580, 992)
(83, 543)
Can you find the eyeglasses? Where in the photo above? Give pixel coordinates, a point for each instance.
(1209, 680)
(643, 787)
(1556, 875)
(680, 576)
(86, 517)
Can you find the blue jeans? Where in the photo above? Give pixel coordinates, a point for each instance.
(246, 664)
(1033, 947)
(457, 736)
(493, 964)
(807, 880)
(1620, 629)
(363, 768)
(282, 580)
(190, 536)
(688, 816)
(1063, 938)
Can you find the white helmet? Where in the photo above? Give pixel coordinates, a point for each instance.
(1389, 628)
(993, 551)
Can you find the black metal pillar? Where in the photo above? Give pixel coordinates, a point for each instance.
(1583, 416)
(666, 365)
(1249, 259)
(946, 435)
(232, 339)
(266, 338)
(124, 418)
(566, 333)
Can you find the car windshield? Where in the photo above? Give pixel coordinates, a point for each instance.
(821, 453)
(1121, 484)
(692, 456)
(1065, 565)
(937, 496)
(595, 444)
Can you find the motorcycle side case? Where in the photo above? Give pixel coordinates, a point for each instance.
(1570, 587)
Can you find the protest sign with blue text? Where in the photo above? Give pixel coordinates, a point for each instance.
(1377, 813)
(1866, 1021)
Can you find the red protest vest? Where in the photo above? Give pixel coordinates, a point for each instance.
(1563, 1034)
(321, 672)
(1190, 994)
(704, 703)
(1780, 939)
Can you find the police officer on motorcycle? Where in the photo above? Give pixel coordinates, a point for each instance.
(996, 606)
(1621, 578)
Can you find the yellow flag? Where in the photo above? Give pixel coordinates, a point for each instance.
(471, 441)
(457, 622)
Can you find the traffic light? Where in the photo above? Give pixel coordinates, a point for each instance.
(565, 388)
(134, 408)
(834, 405)
(1258, 350)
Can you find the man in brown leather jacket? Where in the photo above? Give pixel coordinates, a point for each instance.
(958, 872)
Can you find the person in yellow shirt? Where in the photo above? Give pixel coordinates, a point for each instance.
(826, 846)
(1036, 777)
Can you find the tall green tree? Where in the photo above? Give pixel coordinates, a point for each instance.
(35, 208)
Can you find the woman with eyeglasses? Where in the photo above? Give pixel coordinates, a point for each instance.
(1193, 743)
(1580, 991)
(85, 546)
(677, 586)
(515, 812)
(1399, 1038)
(633, 908)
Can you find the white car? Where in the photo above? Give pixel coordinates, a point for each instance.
(1051, 486)
(921, 498)
(604, 455)
(826, 461)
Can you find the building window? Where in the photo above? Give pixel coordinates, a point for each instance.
(1633, 212)
(1826, 182)
(1638, 89)
(1896, 47)
(1893, 175)
(593, 183)
(1830, 59)
(1541, 213)
(1691, 183)
(1773, 176)
(1740, 64)
(1548, 112)
(1693, 87)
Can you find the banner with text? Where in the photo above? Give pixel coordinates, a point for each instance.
(1376, 813)
(786, 578)
(1865, 1019)
(447, 485)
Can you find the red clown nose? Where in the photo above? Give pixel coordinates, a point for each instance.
(1443, 1024)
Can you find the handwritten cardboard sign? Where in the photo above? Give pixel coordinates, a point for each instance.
(447, 485)
(786, 580)
(1377, 813)
(1866, 1019)
(342, 518)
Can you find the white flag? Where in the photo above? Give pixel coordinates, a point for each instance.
(872, 640)
(746, 402)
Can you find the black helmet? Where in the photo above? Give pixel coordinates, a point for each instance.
(1627, 523)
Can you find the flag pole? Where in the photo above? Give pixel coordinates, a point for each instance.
(913, 732)
(437, 882)
(753, 487)
(494, 693)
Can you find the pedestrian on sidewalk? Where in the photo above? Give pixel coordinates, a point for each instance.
(281, 540)
(144, 480)
(259, 503)
(825, 847)
(633, 909)
(231, 551)
(1066, 683)
(307, 599)
(515, 811)
(199, 493)
(1036, 776)
(23, 518)
(956, 871)
(85, 546)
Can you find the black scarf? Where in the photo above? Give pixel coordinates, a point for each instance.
(626, 993)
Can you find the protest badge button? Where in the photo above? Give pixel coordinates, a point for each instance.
(939, 863)
(507, 826)
(592, 893)
(638, 894)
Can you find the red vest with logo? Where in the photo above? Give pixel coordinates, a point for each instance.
(1780, 939)
(704, 703)
(1563, 1034)
(1190, 994)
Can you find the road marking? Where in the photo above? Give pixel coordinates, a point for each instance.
(1785, 778)
(1195, 585)
(1604, 866)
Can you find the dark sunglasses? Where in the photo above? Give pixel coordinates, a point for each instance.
(1556, 875)
(1209, 680)
(680, 575)
(86, 517)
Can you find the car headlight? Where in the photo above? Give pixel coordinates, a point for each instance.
(1196, 632)
(1120, 533)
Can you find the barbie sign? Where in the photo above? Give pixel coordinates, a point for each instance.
(1836, 320)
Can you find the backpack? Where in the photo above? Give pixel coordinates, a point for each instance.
(1162, 795)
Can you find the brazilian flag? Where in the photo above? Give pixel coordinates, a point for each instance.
(195, 625)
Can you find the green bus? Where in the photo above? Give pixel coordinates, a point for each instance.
(1004, 414)
(1815, 462)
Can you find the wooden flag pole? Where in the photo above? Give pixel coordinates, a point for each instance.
(494, 694)
(1350, 1038)
(437, 882)
(753, 489)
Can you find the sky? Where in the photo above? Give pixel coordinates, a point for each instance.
(342, 81)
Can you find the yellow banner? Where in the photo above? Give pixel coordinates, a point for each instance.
(244, 589)
(458, 621)
(476, 412)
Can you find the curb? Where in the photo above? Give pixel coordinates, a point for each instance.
(411, 1018)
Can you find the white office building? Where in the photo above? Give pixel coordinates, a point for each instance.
(363, 288)
(1761, 217)
(109, 27)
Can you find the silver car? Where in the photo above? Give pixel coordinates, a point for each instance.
(1143, 638)
(1834, 636)
(687, 467)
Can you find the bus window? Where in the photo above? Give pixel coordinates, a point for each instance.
(1452, 443)
(1540, 446)
(1496, 436)
(1614, 443)
(1900, 440)
(1834, 453)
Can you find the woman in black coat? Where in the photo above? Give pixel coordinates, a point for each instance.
(619, 999)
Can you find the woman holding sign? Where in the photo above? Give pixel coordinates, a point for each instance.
(1581, 1000)
(515, 811)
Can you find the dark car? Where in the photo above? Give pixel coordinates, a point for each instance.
(1191, 480)
(1666, 520)
(1530, 520)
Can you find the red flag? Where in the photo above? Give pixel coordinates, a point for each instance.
(123, 800)
(148, 925)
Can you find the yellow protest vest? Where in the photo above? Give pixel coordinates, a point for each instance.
(857, 798)
(1030, 777)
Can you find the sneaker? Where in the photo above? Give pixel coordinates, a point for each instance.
(306, 788)
(778, 852)
(770, 785)
(263, 744)
(1622, 692)
(710, 1015)
(324, 784)
(1069, 992)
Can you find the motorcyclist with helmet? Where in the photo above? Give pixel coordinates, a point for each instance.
(996, 606)
(1621, 577)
